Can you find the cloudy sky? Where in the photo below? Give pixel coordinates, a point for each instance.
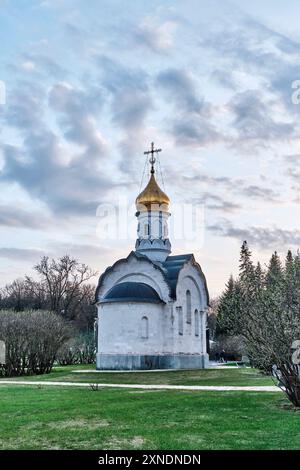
(89, 84)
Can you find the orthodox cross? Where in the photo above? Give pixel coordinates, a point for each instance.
(152, 159)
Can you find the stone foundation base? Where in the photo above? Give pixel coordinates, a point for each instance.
(141, 362)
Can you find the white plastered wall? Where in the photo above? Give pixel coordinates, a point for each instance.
(119, 324)
(190, 279)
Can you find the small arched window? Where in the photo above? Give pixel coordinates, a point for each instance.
(202, 324)
(155, 227)
(180, 320)
(145, 328)
(188, 307)
(146, 230)
(196, 323)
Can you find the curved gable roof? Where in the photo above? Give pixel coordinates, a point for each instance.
(170, 270)
(173, 266)
(124, 260)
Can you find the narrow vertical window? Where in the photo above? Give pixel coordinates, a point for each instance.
(188, 307)
(180, 320)
(202, 330)
(146, 230)
(196, 323)
(145, 328)
(155, 227)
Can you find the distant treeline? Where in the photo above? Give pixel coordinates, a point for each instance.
(62, 287)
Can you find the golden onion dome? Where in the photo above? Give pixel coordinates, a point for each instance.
(152, 196)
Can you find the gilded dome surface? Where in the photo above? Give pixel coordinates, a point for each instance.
(152, 195)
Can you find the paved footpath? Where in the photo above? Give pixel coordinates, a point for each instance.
(206, 388)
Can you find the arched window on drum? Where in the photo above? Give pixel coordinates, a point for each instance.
(146, 230)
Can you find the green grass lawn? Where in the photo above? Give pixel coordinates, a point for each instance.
(232, 376)
(34, 417)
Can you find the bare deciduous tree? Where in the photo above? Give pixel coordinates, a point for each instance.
(63, 288)
(62, 280)
(15, 295)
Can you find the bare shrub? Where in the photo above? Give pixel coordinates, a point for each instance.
(32, 339)
(233, 346)
(95, 387)
(78, 350)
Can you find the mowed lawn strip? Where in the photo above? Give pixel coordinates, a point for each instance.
(67, 418)
(232, 376)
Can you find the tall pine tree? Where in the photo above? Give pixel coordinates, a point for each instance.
(229, 309)
(247, 270)
(274, 276)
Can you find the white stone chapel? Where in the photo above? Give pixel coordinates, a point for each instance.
(152, 306)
